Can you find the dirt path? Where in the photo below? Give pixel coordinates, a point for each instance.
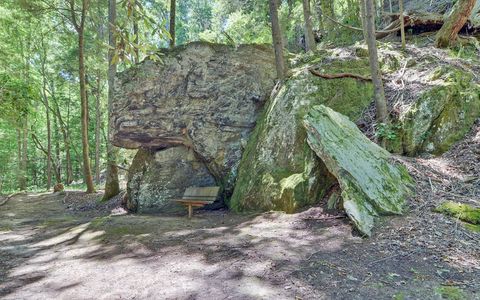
(50, 252)
(71, 247)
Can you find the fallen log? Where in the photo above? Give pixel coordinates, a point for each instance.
(415, 23)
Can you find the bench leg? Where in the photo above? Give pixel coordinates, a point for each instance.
(190, 211)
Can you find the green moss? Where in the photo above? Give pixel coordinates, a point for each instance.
(442, 115)
(461, 211)
(451, 293)
(277, 154)
(474, 228)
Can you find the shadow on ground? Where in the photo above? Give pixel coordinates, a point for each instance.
(50, 252)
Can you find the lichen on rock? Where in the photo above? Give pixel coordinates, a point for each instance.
(371, 184)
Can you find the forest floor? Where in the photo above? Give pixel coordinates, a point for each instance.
(70, 246)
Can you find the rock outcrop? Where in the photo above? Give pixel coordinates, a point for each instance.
(371, 185)
(202, 99)
(279, 171)
(441, 115)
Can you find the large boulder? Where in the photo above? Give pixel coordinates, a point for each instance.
(278, 170)
(441, 115)
(371, 184)
(157, 178)
(201, 96)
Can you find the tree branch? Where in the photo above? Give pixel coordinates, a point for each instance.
(340, 75)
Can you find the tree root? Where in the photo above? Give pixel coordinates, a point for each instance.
(340, 75)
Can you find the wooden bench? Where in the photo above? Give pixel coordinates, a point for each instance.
(198, 197)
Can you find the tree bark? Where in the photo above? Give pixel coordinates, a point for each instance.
(379, 93)
(402, 24)
(98, 124)
(310, 44)
(278, 42)
(47, 113)
(112, 187)
(173, 10)
(448, 34)
(19, 158)
(23, 182)
(66, 143)
(80, 28)
(328, 10)
(135, 32)
(363, 19)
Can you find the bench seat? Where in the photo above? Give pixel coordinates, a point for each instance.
(198, 197)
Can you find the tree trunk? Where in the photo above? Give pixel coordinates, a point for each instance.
(278, 42)
(310, 44)
(447, 35)
(379, 93)
(98, 124)
(19, 158)
(49, 140)
(23, 181)
(58, 160)
(80, 28)
(318, 8)
(112, 187)
(363, 19)
(402, 24)
(66, 143)
(173, 10)
(135, 32)
(329, 11)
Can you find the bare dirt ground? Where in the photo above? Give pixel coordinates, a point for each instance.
(69, 246)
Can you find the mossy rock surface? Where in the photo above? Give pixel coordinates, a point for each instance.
(461, 211)
(371, 184)
(278, 170)
(441, 115)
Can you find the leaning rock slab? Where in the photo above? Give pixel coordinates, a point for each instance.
(278, 170)
(371, 184)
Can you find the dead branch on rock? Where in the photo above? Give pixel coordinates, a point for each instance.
(340, 75)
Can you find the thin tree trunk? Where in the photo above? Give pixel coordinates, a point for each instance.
(58, 160)
(448, 34)
(329, 11)
(379, 93)
(49, 139)
(80, 28)
(318, 8)
(390, 4)
(173, 13)
(135, 32)
(47, 111)
(363, 19)
(98, 124)
(66, 143)
(112, 186)
(310, 44)
(402, 24)
(278, 42)
(23, 182)
(19, 158)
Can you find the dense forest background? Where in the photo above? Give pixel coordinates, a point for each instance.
(40, 115)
